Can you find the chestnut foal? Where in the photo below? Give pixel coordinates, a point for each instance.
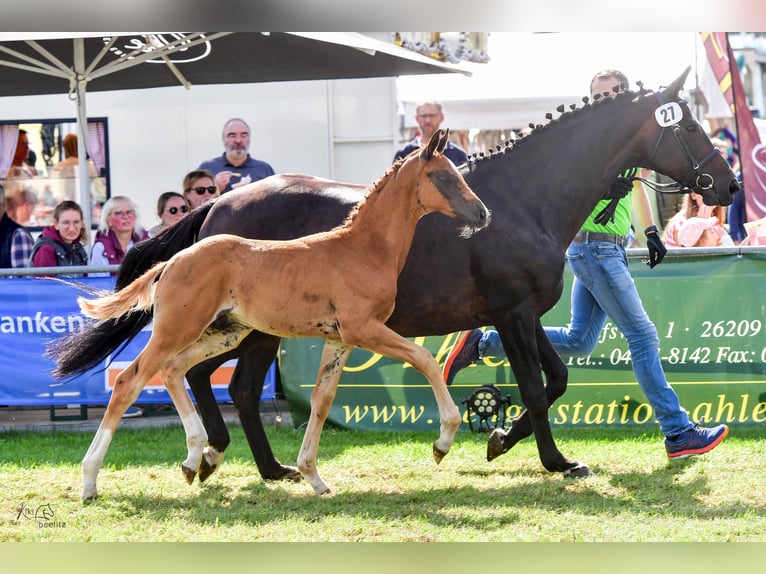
(339, 285)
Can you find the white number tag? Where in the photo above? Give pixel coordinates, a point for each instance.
(668, 114)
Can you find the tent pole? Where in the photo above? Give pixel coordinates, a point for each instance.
(82, 134)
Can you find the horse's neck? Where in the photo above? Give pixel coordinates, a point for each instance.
(568, 167)
(385, 221)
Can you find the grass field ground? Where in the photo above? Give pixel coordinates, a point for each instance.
(386, 487)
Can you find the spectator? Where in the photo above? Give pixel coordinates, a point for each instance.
(117, 232)
(67, 166)
(20, 168)
(429, 116)
(63, 243)
(603, 287)
(20, 205)
(199, 187)
(236, 167)
(16, 243)
(697, 225)
(171, 207)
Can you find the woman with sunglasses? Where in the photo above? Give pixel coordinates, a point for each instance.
(118, 231)
(171, 208)
(199, 187)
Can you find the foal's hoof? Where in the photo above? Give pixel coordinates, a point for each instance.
(189, 473)
(495, 444)
(579, 471)
(439, 454)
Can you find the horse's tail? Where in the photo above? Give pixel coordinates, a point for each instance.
(123, 314)
(78, 352)
(138, 296)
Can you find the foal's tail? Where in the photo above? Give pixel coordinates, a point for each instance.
(78, 352)
(138, 296)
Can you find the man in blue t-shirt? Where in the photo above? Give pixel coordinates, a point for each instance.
(429, 116)
(235, 167)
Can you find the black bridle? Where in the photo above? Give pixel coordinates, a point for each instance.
(695, 180)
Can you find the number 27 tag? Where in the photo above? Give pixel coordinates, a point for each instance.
(668, 114)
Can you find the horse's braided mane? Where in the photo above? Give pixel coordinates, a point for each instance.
(376, 187)
(536, 129)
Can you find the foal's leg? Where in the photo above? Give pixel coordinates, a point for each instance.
(207, 406)
(212, 343)
(334, 356)
(378, 338)
(127, 387)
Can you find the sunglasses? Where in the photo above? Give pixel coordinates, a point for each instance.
(174, 210)
(121, 214)
(212, 190)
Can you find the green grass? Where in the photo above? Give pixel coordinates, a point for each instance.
(386, 487)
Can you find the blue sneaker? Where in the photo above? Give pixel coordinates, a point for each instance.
(696, 440)
(464, 352)
(133, 412)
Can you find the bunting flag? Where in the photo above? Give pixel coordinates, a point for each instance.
(752, 155)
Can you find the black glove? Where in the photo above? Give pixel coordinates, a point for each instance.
(657, 250)
(620, 188)
(606, 214)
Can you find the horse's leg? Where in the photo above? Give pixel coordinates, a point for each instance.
(256, 353)
(126, 390)
(196, 437)
(207, 406)
(526, 360)
(378, 338)
(334, 356)
(213, 342)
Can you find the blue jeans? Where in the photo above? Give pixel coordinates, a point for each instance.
(604, 287)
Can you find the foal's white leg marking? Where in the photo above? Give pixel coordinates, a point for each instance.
(125, 393)
(196, 436)
(334, 355)
(92, 462)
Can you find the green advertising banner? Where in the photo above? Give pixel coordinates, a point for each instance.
(710, 314)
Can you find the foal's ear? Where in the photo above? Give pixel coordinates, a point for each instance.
(671, 92)
(433, 145)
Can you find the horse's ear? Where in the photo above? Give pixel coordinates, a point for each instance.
(671, 92)
(433, 144)
(443, 141)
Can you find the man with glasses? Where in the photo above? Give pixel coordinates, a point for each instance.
(235, 167)
(429, 116)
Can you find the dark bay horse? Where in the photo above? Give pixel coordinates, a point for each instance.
(540, 191)
(338, 284)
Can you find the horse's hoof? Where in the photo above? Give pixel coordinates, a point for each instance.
(495, 444)
(579, 471)
(205, 470)
(189, 473)
(439, 454)
(292, 474)
(89, 499)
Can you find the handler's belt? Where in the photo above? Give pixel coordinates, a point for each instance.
(588, 236)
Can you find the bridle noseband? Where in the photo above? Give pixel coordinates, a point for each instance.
(694, 180)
